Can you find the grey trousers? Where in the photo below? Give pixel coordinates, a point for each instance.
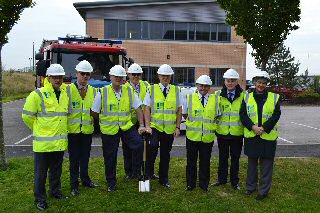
(266, 171)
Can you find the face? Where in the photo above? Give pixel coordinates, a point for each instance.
(231, 83)
(165, 79)
(203, 89)
(134, 77)
(116, 80)
(56, 81)
(261, 85)
(83, 78)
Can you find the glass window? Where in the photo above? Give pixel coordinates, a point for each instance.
(192, 28)
(134, 29)
(224, 32)
(203, 32)
(216, 75)
(213, 32)
(168, 30)
(150, 74)
(156, 30)
(184, 76)
(145, 30)
(111, 28)
(181, 31)
(122, 29)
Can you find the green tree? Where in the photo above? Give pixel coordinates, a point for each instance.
(10, 11)
(282, 68)
(264, 24)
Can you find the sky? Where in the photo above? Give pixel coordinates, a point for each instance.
(52, 19)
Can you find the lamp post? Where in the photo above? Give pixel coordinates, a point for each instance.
(29, 64)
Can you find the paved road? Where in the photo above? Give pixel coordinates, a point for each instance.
(299, 133)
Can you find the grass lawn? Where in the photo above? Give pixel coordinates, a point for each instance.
(296, 184)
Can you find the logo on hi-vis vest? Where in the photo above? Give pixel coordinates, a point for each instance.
(113, 107)
(250, 108)
(160, 105)
(198, 113)
(225, 108)
(47, 94)
(76, 105)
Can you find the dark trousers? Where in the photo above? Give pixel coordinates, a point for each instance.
(44, 162)
(79, 147)
(266, 171)
(110, 145)
(165, 141)
(128, 158)
(204, 150)
(234, 148)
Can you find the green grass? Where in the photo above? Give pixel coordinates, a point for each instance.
(296, 184)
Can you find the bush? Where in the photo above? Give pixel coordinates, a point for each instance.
(308, 97)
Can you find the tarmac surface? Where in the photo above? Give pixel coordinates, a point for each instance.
(299, 133)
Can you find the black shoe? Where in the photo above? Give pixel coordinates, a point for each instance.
(236, 187)
(206, 189)
(74, 192)
(90, 185)
(60, 196)
(249, 192)
(218, 183)
(166, 185)
(42, 205)
(261, 197)
(154, 177)
(112, 188)
(129, 177)
(189, 188)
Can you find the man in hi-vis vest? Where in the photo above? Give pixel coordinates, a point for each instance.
(200, 109)
(80, 127)
(163, 118)
(229, 129)
(114, 106)
(140, 88)
(260, 113)
(45, 113)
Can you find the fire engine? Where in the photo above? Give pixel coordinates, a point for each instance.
(70, 50)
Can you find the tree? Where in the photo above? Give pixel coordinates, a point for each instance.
(264, 24)
(9, 15)
(305, 81)
(282, 68)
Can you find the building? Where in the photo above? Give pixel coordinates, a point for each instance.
(189, 35)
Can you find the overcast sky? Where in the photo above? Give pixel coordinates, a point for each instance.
(51, 19)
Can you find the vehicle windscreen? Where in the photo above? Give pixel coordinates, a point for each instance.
(101, 63)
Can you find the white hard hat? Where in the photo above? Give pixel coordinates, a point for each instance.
(84, 66)
(231, 73)
(165, 69)
(261, 74)
(204, 79)
(55, 70)
(135, 68)
(118, 70)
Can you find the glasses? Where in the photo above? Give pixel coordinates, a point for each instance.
(136, 74)
(85, 73)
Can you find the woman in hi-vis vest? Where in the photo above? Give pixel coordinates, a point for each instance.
(260, 113)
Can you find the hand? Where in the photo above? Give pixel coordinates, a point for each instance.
(148, 130)
(141, 130)
(176, 132)
(258, 130)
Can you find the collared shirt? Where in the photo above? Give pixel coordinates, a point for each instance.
(80, 87)
(96, 106)
(147, 99)
(135, 87)
(185, 102)
(233, 93)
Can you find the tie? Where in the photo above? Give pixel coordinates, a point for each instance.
(202, 100)
(165, 92)
(230, 94)
(83, 92)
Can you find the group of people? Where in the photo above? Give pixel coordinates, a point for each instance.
(62, 117)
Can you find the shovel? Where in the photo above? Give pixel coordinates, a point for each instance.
(144, 184)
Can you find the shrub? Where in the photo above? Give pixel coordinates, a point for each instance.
(308, 97)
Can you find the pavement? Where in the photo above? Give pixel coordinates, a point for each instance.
(299, 134)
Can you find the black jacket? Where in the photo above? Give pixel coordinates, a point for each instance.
(224, 93)
(256, 146)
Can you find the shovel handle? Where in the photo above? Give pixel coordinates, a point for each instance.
(144, 151)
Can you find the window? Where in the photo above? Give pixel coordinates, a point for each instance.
(203, 32)
(192, 28)
(184, 76)
(134, 29)
(181, 31)
(150, 74)
(216, 75)
(168, 30)
(122, 29)
(111, 29)
(156, 30)
(213, 32)
(145, 30)
(224, 32)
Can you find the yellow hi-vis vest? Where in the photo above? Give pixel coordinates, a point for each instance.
(229, 121)
(144, 86)
(115, 114)
(164, 110)
(79, 119)
(200, 122)
(47, 118)
(267, 111)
